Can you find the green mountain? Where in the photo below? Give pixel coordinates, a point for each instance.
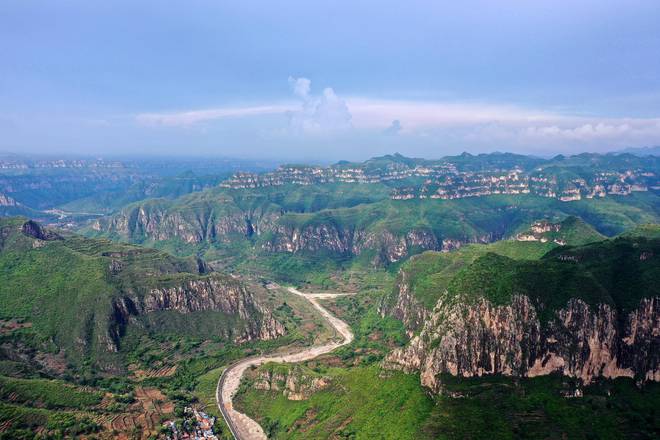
(583, 311)
(424, 278)
(531, 339)
(347, 221)
(81, 296)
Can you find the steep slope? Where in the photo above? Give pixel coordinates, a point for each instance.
(423, 279)
(82, 295)
(587, 312)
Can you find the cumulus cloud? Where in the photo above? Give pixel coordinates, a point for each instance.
(317, 114)
(300, 86)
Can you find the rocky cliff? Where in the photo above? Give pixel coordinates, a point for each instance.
(5, 200)
(156, 223)
(580, 341)
(212, 293)
(404, 306)
(388, 246)
(573, 313)
(226, 220)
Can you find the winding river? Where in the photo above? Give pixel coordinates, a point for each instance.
(241, 426)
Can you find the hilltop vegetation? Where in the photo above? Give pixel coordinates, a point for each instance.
(618, 272)
(428, 275)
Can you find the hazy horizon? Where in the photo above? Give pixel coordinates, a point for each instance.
(327, 82)
(280, 160)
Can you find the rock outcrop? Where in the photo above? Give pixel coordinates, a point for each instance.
(34, 230)
(295, 383)
(579, 340)
(404, 306)
(388, 246)
(158, 223)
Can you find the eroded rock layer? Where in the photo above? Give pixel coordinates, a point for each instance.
(579, 340)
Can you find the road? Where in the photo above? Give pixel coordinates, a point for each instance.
(244, 428)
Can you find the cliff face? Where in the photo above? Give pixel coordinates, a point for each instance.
(579, 340)
(405, 306)
(270, 231)
(158, 224)
(207, 294)
(389, 247)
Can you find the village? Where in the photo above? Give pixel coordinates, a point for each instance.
(196, 425)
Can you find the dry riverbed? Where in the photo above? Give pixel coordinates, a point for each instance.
(243, 427)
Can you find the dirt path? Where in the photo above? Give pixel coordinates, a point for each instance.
(243, 427)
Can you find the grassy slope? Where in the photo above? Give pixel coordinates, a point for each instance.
(501, 408)
(613, 272)
(31, 404)
(464, 219)
(47, 393)
(65, 288)
(367, 207)
(481, 215)
(359, 404)
(365, 403)
(429, 273)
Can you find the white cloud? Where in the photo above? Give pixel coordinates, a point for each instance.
(317, 114)
(192, 117)
(300, 86)
(374, 113)
(458, 123)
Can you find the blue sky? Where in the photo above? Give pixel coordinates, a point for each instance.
(341, 80)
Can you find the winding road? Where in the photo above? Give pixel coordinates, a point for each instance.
(241, 426)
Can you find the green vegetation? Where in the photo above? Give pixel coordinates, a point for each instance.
(618, 272)
(375, 336)
(336, 217)
(428, 274)
(366, 402)
(24, 422)
(65, 288)
(646, 230)
(504, 408)
(359, 404)
(49, 406)
(60, 320)
(46, 393)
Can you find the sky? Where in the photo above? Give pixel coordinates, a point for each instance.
(328, 80)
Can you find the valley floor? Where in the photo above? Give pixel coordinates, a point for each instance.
(245, 428)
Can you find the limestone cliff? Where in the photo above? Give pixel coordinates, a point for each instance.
(403, 305)
(587, 312)
(5, 200)
(580, 341)
(388, 246)
(83, 294)
(269, 229)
